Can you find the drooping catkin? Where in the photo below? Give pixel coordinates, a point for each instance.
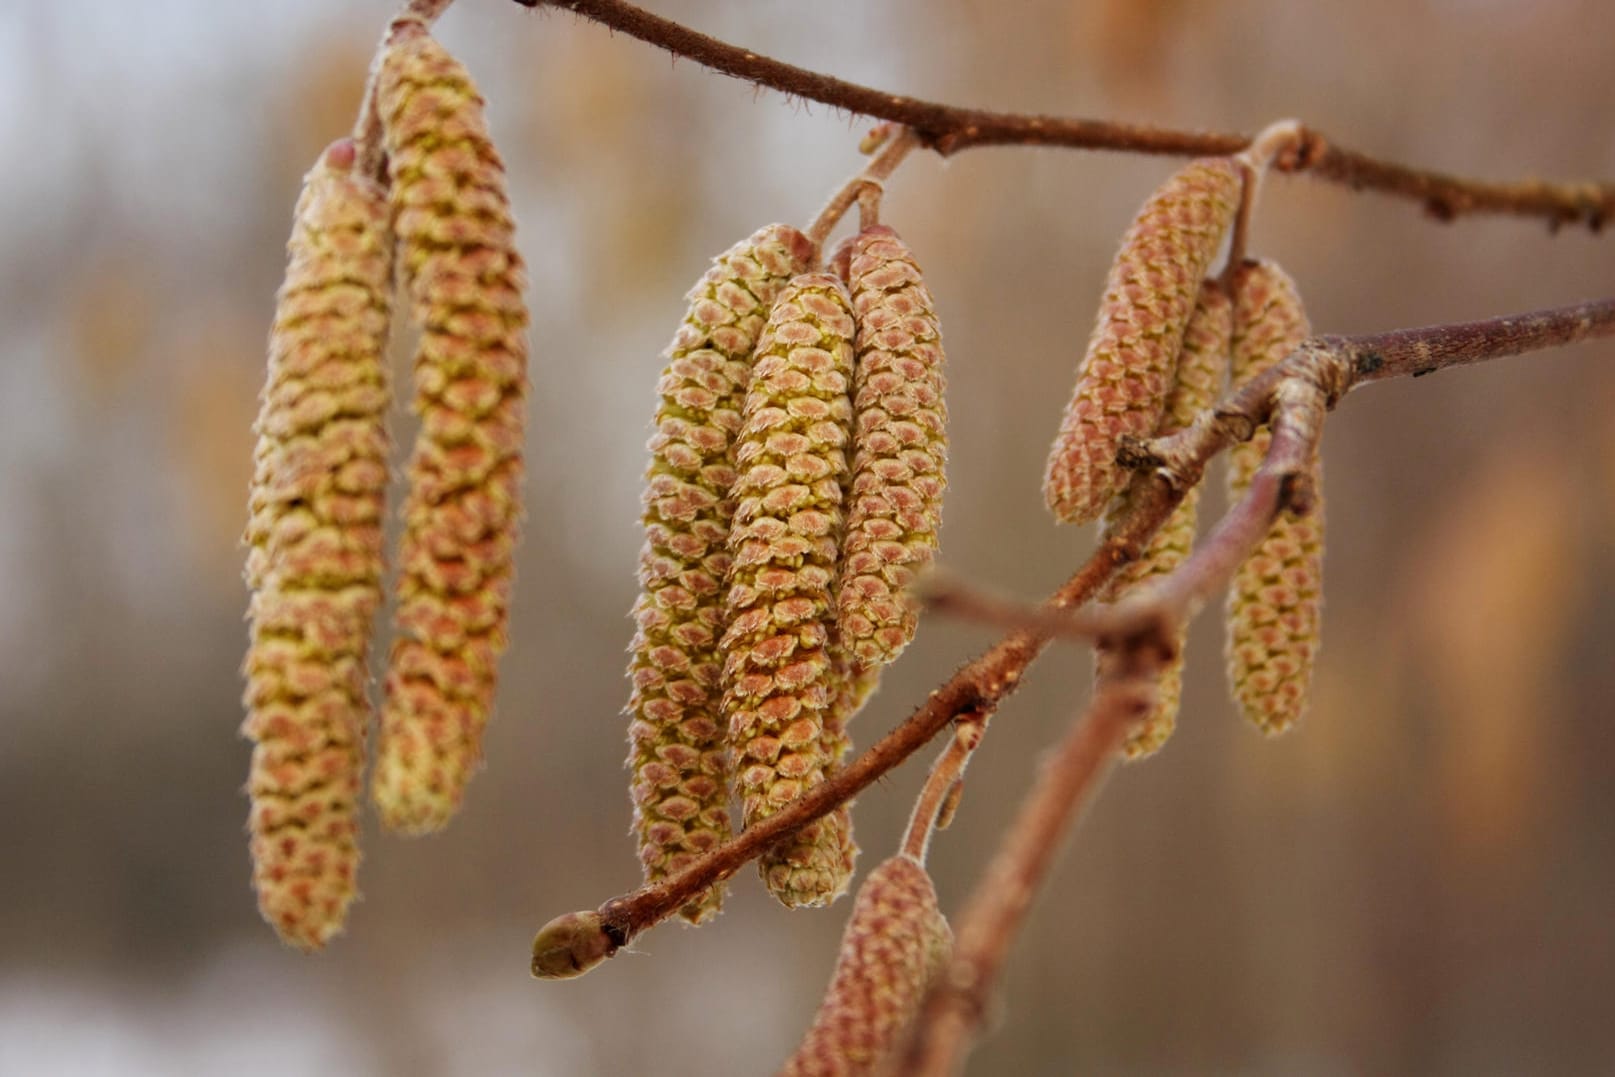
(465, 280)
(1124, 378)
(779, 672)
(1202, 369)
(1275, 600)
(677, 743)
(315, 550)
(896, 943)
(899, 448)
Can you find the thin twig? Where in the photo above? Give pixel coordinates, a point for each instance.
(941, 784)
(948, 130)
(874, 175)
(1069, 778)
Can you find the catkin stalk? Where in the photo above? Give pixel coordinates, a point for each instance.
(779, 676)
(899, 448)
(465, 281)
(1275, 600)
(677, 741)
(896, 943)
(1201, 370)
(1123, 382)
(315, 551)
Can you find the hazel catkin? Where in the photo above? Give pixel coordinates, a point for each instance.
(779, 661)
(465, 279)
(1201, 370)
(677, 741)
(899, 448)
(1123, 382)
(1274, 603)
(896, 943)
(315, 550)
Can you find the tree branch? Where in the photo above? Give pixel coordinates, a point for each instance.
(572, 944)
(948, 129)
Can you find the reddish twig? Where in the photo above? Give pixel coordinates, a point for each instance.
(893, 149)
(1069, 778)
(948, 130)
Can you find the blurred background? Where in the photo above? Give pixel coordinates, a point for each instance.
(1419, 880)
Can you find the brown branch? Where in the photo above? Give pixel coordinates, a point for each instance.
(1292, 396)
(1417, 352)
(572, 944)
(948, 129)
(1069, 778)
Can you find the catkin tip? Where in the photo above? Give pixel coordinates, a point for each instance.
(1125, 376)
(900, 448)
(1274, 606)
(466, 283)
(680, 781)
(778, 650)
(314, 561)
(895, 944)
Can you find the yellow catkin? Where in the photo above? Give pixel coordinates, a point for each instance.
(895, 945)
(315, 560)
(899, 448)
(1202, 369)
(677, 740)
(1275, 600)
(465, 280)
(779, 672)
(1124, 378)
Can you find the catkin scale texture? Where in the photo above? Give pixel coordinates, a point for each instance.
(315, 551)
(899, 448)
(1201, 370)
(1123, 382)
(465, 280)
(677, 741)
(895, 944)
(780, 683)
(1275, 601)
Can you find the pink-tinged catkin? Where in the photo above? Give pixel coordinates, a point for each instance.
(1202, 369)
(780, 679)
(1275, 600)
(900, 448)
(1123, 382)
(465, 280)
(677, 742)
(315, 551)
(896, 943)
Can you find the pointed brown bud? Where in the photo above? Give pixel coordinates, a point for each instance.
(1201, 370)
(676, 734)
(1123, 382)
(896, 943)
(778, 673)
(899, 448)
(465, 281)
(314, 562)
(1275, 600)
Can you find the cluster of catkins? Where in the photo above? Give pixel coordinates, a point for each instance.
(794, 491)
(315, 566)
(1167, 339)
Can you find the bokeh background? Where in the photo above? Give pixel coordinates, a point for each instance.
(1420, 880)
